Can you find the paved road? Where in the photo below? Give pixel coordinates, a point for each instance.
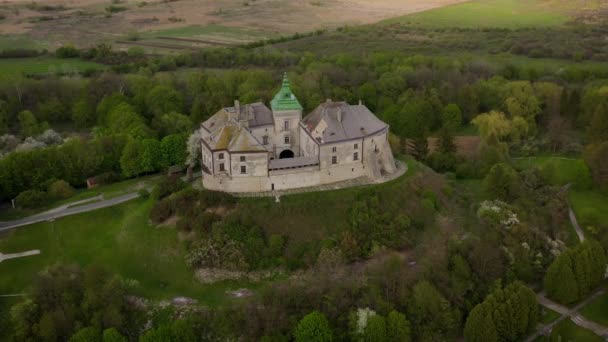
(566, 313)
(18, 255)
(579, 231)
(66, 211)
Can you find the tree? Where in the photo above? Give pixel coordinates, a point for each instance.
(164, 99)
(28, 124)
(451, 118)
(446, 141)
(502, 182)
(598, 128)
(112, 335)
(431, 314)
(314, 327)
(151, 155)
(596, 157)
(174, 150)
(479, 326)
(131, 159)
(520, 101)
(492, 126)
(60, 190)
(82, 113)
(88, 334)
(375, 331)
(398, 327)
(172, 123)
(107, 104)
(560, 281)
(124, 119)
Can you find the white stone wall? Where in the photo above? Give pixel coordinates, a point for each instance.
(308, 147)
(344, 153)
(377, 155)
(260, 132)
(256, 164)
(221, 157)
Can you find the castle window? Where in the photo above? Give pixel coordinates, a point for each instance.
(265, 140)
(356, 146)
(243, 158)
(243, 169)
(221, 156)
(222, 167)
(286, 125)
(334, 159)
(356, 156)
(287, 139)
(334, 149)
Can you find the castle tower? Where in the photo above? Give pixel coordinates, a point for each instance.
(287, 114)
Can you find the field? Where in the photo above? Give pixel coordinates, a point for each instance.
(597, 310)
(45, 65)
(92, 21)
(118, 238)
(491, 13)
(572, 332)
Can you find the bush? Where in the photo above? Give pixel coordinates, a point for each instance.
(60, 190)
(32, 199)
(162, 211)
(143, 193)
(67, 51)
(167, 186)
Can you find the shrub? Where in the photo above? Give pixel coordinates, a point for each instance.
(143, 193)
(31, 199)
(67, 51)
(60, 189)
(162, 211)
(167, 186)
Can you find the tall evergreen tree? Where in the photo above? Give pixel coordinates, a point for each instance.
(560, 282)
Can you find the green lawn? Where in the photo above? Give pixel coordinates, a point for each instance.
(195, 31)
(119, 238)
(491, 13)
(44, 65)
(591, 208)
(549, 316)
(21, 41)
(597, 310)
(560, 170)
(572, 332)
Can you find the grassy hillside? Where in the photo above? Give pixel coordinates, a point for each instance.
(45, 65)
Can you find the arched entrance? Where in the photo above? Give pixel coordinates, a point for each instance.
(286, 154)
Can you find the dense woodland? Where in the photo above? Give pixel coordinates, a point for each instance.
(479, 257)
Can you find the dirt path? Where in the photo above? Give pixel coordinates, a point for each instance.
(579, 231)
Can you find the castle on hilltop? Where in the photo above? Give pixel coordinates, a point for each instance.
(251, 148)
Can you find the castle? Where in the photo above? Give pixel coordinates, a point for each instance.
(251, 148)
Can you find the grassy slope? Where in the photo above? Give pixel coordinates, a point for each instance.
(597, 310)
(44, 64)
(549, 316)
(118, 238)
(490, 13)
(572, 332)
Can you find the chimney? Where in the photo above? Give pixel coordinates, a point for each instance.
(237, 108)
(339, 115)
(360, 102)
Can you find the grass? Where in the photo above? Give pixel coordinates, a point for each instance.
(194, 31)
(511, 14)
(559, 170)
(591, 208)
(21, 41)
(45, 65)
(597, 310)
(118, 238)
(549, 316)
(572, 332)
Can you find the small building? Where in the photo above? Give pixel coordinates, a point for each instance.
(253, 148)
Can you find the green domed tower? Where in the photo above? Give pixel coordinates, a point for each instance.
(287, 113)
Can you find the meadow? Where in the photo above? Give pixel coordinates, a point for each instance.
(45, 65)
(118, 238)
(569, 331)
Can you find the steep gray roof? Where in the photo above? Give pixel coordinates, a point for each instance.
(257, 114)
(336, 121)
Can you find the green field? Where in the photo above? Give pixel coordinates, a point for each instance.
(491, 13)
(20, 41)
(118, 238)
(572, 332)
(195, 31)
(597, 310)
(45, 65)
